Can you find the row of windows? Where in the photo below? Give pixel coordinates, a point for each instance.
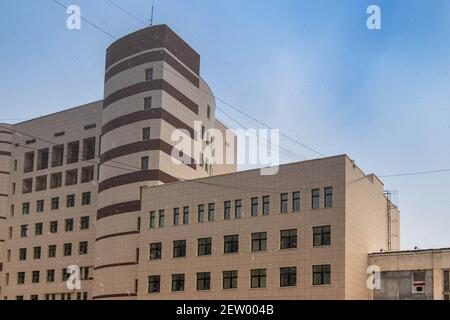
(288, 240)
(53, 296)
(321, 275)
(55, 204)
(37, 251)
(158, 218)
(50, 276)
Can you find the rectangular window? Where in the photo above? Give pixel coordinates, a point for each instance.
(149, 74)
(147, 103)
(288, 239)
(87, 174)
(146, 134)
(227, 210)
(231, 244)
(203, 281)
(446, 281)
(321, 275)
(73, 151)
(154, 284)
(322, 236)
(11, 210)
(40, 206)
(284, 200)
(211, 212)
(41, 183)
(84, 223)
(186, 215)
(65, 275)
(67, 249)
(27, 186)
(328, 200)
(176, 216)
(20, 277)
(179, 249)
(37, 253)
(38, 228)
(83, 247)
(70, 201)
(23, 254)
(258, 278)
(315, 198)
(201, 213)
(71, 177)
(57, 155)
(266, 205)
(42, 159)
(208, 112)
(155, 251)
(50, 275)
(238, 209)
(25, 208)
(86, 199)
(24, 231)
(56, 180)
(230, 279)
(296, 201)
(177, 282)
(204, 247)
(254, 209)
(89, 148)
(145, 163)
(35, 276)
(28, 164)
(52, 251)
(152, 220)
(161, 218)
(55, 203)
(259, 241)
(288, 277)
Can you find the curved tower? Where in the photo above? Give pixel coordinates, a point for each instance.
(152, 87)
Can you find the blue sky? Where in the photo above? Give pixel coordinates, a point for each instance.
(311, 68)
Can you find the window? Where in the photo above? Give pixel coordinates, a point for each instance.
(161, 218)
(50, 275)
(56, 180)
(289, 239)
(203, 281)
(71, 177)
(25, 208)
(155, 251)
(65, 274)
(27, 185)
(67, 249)
(147, 103)
(208, 112)
(259, 241)
(238, 209)
(321, 275)
(23, 254)
(34, 296)
(296, 201)
(38, 229)
(12, 210)
(24, 231)
(211, 212)
(87, 174)
(42, 159)
(177, 282)
(231, 244)
(37, 253)
(146, 134)
(230, 279)
(322, 236)
(20, 277)
(53, 226)
(154, 284)
(86, 199)
(284, 199)
(446, 281)
(19, 297)
(149, 74)
(35, 277)
(55, 203)
(84, 273)
(254, 210)
(40, 206)
(70, 201)
(41, 183)
(83, 247)
(84, 223)
(258, 278)
(227, 210)
(73, 150)
(69, 225)
(176, 216)
(89, 148)
(328, 194)
(179, 249)
(288, 277)
(315, 198)
(152, 220)
(57, 156)
(145, 163)
(13, 188)
(186, 215)
(52, 251)
(266, 205)
(204, 247)
(201, 213)
(28, 164)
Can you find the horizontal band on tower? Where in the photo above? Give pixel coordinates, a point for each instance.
(5, 172)
(5, 142)
(158, 84)
(115, 265)
(6, 132)
(119, 208)
(116, 235)
(5, 153)
(117, 295)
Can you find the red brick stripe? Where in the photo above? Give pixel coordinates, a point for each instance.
(119, 208)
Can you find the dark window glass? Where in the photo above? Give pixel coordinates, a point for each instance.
(231, 244)
(37, 253)
(227, 210)
(266, 205)
(154, 284)
(179, 248)
(322, 236)
(55, 203)
(152, 220)
(89, 148)
(53, 226)
(201, 213)
(70, 201)
(149, 74)
(146, 134)
(259, 241)
(20, 277)
(147, 103)
(258, 278)
(321, 275)
(230, 279)
(73, 150)
(203, 281)
(40, 206)
(254, 210)
(35, 276)
(69, 225)
(315, 198)
(186, 215)
(211, 212)
(238, 209)
(23, 254)
(145, 163)
(296, 201)
(155, 251)
(288, 277)
(328, 194)
(84, 223)
(288, 239)
(38, 228)
(50, 275)
(161, 219)
(176, 216)
(177, 282)
(24, 231)
(204, 246)
(25, 208)
(52, 251)
(83, 247)
(447, 281)
(86, 198)
(67, 249)
(284, 199)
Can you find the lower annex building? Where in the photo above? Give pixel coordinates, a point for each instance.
(95, 187)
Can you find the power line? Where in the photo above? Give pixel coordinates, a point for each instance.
(127, 12)
(415, 173)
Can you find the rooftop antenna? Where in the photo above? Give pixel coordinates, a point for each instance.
(151, 18)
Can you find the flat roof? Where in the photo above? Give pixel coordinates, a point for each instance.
(405, 252)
